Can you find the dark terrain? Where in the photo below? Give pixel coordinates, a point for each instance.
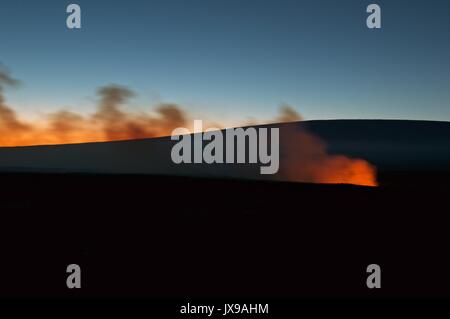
(143, 233)
(147, 236)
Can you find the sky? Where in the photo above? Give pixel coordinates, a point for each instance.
(232, 59)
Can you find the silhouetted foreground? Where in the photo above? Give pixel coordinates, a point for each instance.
(146, 236)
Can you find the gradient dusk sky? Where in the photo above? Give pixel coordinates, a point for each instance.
(233, 59)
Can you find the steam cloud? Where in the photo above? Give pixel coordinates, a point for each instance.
(305, 158)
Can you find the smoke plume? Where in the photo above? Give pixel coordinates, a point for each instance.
(304, 158)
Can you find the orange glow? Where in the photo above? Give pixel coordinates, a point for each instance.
(304, 156)
(306, 160)
(38, 136)
(343, 170)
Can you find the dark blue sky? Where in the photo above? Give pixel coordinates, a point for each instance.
(232, 59)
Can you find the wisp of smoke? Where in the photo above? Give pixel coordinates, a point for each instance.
(8, 118)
